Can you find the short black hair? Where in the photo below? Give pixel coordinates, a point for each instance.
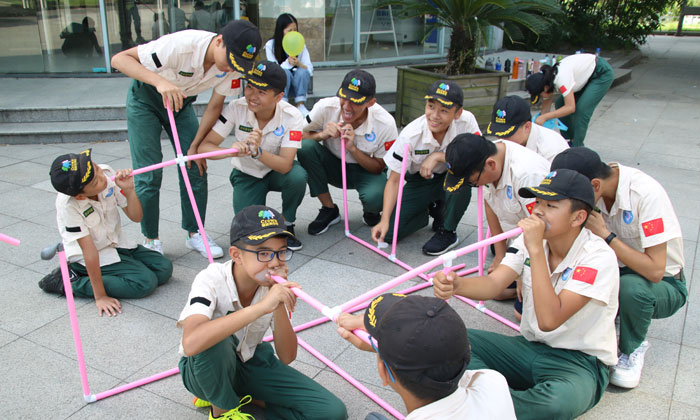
(577, 205)
(420, 391)
(602, 172)
(491, 150)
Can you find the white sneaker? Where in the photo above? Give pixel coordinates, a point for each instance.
(303, 109)
(195, 242)
(628, 371)
(154, 245)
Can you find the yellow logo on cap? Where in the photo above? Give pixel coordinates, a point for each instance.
(258, 237)
(547, 193)
(232, 59)
(456, 186)
(370, 312)
(87, 173)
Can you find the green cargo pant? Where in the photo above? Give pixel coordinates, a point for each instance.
(641, 301)
(545, 383)
(217, 375)
(249, 190)
(323, 168)
(145, 117)
(418, 194)
(137, 275)
(586, 100)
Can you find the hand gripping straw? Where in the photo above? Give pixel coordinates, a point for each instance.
(180, 159)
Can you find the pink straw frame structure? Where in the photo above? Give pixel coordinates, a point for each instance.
(9, 239)
(160, 165)
(402, 182)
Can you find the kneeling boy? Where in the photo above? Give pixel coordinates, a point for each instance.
(229, 309)
(559, 367)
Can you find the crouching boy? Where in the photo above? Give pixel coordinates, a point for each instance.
(229, 309)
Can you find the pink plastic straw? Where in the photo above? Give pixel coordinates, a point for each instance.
(480, 226)
(350, 379)
(398, 199)
(9, 239)
(195, 210)
(492, 314)
(315, 303)
(174, 161)
(137, 384)
(345, 184)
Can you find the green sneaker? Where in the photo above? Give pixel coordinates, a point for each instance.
(200, 403)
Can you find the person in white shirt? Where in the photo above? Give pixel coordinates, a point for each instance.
(299, 69)
(427, 363)
(582, 80)
(511, 120)
(559, 367)
(638, 222)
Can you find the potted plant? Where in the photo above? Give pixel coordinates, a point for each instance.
(468, 20)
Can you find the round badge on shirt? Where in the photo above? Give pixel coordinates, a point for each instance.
(509, 192)
(627, 216)
(370, 137)
(566, 274)
(279, 131)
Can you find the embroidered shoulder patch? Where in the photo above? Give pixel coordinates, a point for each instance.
(185, 73)
(88, 211)
(245, 128)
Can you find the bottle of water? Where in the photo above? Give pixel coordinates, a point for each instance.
(597, 52)
(499, 66)
(506, 67)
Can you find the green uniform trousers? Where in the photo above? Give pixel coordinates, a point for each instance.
(137, 275)
(145, 118)
(217, 375)
(324, 168)
(249, 190)
(418, 194)
(586, 101)
(641, 301)
(545, 383)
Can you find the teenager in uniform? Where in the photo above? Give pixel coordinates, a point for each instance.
(174, 69)
(558, 368)
(268, 134)
(582, 80)
(368, 130)
(427, 137)
(638, 222)
(103, 263)
(427, 364)
(229, 310)
(511, 120)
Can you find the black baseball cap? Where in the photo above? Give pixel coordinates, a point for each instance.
(422, 337)
(242, 40)
(582, 160)
(256, 224)
(266, 75)
(508, 114)
(463, 156)
(535, 85)
(71, 172)
(448, 93)
(358, 86)
(560, 185)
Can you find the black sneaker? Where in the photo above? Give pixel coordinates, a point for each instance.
(371, 219)
(436, 211)
(441, 242)
(293, 243)
(326, 218)
(53, 282)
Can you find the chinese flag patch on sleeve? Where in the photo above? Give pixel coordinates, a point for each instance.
(652, 227)
(530, 206)
(585, 274)
(388, 144)
(235, 83)
(295, 135)
(562, 89)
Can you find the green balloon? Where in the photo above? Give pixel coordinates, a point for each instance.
(293, 43)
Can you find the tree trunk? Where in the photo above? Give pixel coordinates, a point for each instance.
(461, 57)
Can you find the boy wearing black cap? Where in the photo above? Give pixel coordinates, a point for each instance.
(426, 364)
(174, 69)
(637, 220)
(268, 134)
(511, 120)
(228, 312)
(103, 262)
(427, 137)
(368, 130)
(558, 368)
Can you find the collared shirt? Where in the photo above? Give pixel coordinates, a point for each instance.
(421, 142)
(283, 130)
(98, 219)
(179, 58)
(214, 294)
(589, 269)
(482, 394)
(546, 142)
(573, 73)
(521, 168)
(373, 137)
(642, 216)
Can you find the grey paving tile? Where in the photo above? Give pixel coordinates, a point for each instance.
(669, 329)
(680, 411)
(660, 364)
(691, 331)
(33, 239)
(24, 173)
(7, 337)
(26, 202)
(624, 405)
(687, 387)
(170, 387)
(9, 186)
(169, 299)
(29, 151)
(136, 403)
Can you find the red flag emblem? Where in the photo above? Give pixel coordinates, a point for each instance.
(477, 132)
(652, 227)
(585, 274)
(235, 83)
(388, 144)
(295, 135)
(562, 89)
(530, 206)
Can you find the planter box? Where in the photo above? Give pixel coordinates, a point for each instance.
(481, 91)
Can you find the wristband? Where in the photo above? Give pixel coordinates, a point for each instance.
(610, 238)
(257, 155)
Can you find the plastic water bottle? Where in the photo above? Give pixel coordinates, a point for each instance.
(597, 52)
(499, 66)
(488, 65)
(506, 67)
(530, 66)
(516, 65)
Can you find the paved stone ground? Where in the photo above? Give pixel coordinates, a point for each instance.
(651, 123)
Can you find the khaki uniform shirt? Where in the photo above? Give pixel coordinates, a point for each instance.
(590, 270)
(573, 73)
(283, 130)
(546, 142)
